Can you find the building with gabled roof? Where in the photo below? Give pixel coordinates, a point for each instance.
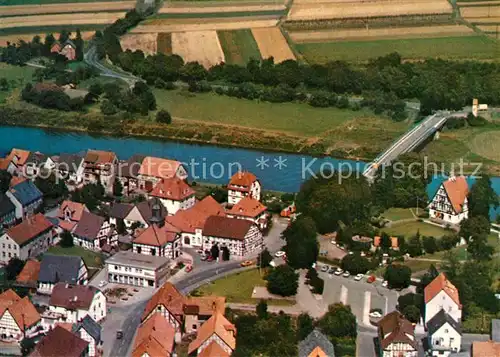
(70, 167)
(128, 173)
(174, 194)
(397, 336)
(155, 337)
(450, 203)
(316, 345)
(26, 197)
(67, 269)
(240, 236)
(28, 239)
(90, 331)
(71, 211)
(93, 232)
(154, 169)
(28, 277)
(444, 334)
(99, 166)
(16, 159)
(138, 214)
(441, 294)
(158, 240)
(250, 209)
(61, 342)
(7, 211)
(216, 330)
(18, 317)
(242, 184)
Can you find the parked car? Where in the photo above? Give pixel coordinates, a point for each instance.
(358, 277)
(375, 314)
(331, 271)
(189, 268)
(119, 334)
(338, 271)
(371, 279)
(385, 284)
(246, 263)
(346, 274)
(210, 259)
(103, 283)
(279, 254)
(324, 268)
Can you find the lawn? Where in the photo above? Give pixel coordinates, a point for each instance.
(41, 2)
(239, 46)
(410, 228)
(91, 259)
(295, 118)
(16, 75)
(396, 214)
(238, 288)
(466, 47)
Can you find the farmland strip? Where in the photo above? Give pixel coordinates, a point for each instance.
(63, 19)
(65, 8)
(272, 43)
(165, 43)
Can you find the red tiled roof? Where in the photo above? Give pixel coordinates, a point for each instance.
(213, 350)
(100, 157)
(194, 218)
(457, 190)
(485, 349)
(206, 305)
(218, 325)
(21, 310)
(67, 225)
(22, 156)
(75, 208)
(172, 189)
(89, 226)
(169, 297)
(438, 284)
(156, 236)
(72, 297)
(394, 328)
(4, 163)
(247, 207)
(60, 342)
(30, 228)
(225, 227)
(30, 272)
(243, 178)
(158, 167)
(155, 337)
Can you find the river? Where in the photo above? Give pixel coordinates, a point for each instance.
(205, 163)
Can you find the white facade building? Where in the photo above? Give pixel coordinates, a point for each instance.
(243, 184)
(450, 204)
(439, 295)
(444, 334)
(397, 336)
(174, 194)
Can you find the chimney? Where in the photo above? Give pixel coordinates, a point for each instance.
(156, 214)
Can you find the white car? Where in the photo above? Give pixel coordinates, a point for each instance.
(103, 283)
(346, 274)
(338, 271)
(358, 277)
(324, 268)
(385, 284)
(375, 314)
(279, 254)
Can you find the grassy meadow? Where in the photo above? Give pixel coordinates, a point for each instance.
(239, 46)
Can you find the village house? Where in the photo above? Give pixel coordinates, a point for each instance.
(7, 212)
(61, 342)
(28, 277)
(36, 162)
(159, 240)
(250, 209)
(316, 345)
(243, 184)
(174, 194)
(15, 161)
(18, 317)
(67, 269)
(444, 334)
(28, 239)
(154, 169)
(71, 303)
(99, 166)
(70, 167)
(240, 236)
(185, 314)
(450, 204)
(155, 337)
(216, 337)
(139, 214)
(128, 173)
(90, 331)
(67, 49)
(119, 212)
(26, 197)
(439, 295)
(397, 336)
(190, 222)
(126, 267)
(94, 232)
(70, 213)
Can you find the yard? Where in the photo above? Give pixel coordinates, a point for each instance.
(91, 259)
(409, 229)
(294, 118)
(238, 288)
(467, 47)
(17, 77)
(396, 214)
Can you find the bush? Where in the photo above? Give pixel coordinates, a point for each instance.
(455, 123)
(108, 108)
(476, 121)
(283, 281)
(163, 117)
(398, 276)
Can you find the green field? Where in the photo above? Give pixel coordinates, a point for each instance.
(211, 15)
(239, 46)
(458, 48)
(49, 29)
(410, 228)
(41, 2)
(91, 259)
(487, 144)
(238, 288)
(396, 214)
(296, 118)
(17, 77)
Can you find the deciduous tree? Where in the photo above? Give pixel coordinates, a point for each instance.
(283, 281)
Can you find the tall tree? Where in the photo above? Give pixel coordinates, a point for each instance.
(66, 239)
(48, 42)
(398, 276)
(305, 325)
(261, 310)
(5, 178)
(302, 247)
(79, 45)
(474, 226)
(338, 322)
(479, 248)
(13, 268)
(482, 197)
(117, 187)
(283, 281)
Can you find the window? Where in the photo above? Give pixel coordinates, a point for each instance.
(445, 330)
(3, 245)
(3, 254)
(9, 246)
(9, 255)
(195, 327)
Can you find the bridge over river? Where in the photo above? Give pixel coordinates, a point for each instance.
(410, 140)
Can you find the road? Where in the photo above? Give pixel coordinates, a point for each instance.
(410, 140)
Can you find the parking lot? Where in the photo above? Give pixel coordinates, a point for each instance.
(360, 295)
